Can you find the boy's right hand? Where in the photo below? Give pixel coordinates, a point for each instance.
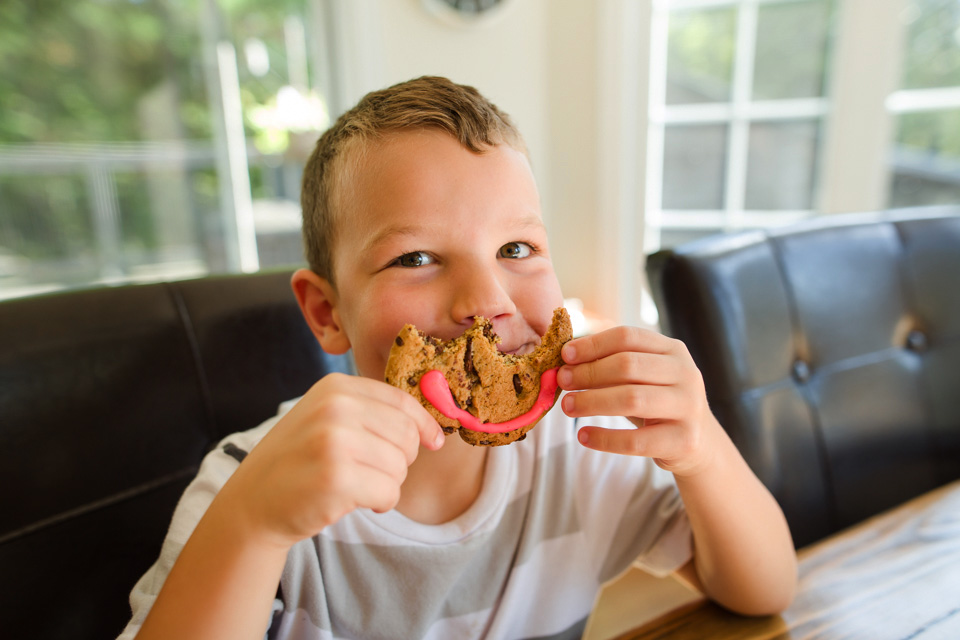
(345, 445)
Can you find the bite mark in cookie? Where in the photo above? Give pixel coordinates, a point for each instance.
(491, 386)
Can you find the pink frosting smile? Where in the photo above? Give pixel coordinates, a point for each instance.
(435, 389)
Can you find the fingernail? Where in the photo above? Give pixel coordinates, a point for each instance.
(582, 436)
(569, 352)
(439, 440)
(565, 377)
(568, 403)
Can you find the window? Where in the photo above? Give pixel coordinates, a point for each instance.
(925, 154)
(150, 139)
(737, 102)
(766, 111)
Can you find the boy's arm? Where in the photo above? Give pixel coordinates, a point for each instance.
(347, 444)
(221, 586)
(743, 552)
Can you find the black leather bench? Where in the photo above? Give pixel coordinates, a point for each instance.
(830, 352)
(109, 398)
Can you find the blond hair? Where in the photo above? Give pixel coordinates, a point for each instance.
(424, 103)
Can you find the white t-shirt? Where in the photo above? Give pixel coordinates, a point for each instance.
(553, 521)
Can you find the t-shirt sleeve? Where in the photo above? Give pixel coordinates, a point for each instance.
(631, 512)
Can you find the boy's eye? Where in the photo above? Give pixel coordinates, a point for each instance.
(413, 259)
(515, 250)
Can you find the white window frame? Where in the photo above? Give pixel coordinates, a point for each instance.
(737, 115)
(857, 128)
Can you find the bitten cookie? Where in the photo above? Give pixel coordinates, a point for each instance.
(492, 386)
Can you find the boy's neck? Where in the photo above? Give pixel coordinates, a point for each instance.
(441, 485)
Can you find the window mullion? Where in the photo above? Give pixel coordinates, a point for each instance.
(738, 144)
(656, 100)
(858, 129)
(913, 100)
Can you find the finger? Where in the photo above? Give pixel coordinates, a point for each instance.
(373, 451)
(605, 343)
(636, 401)
(374, 489)
(620, 368)
(430, 434)
(663, 442)
(393, 426)
(344, 415)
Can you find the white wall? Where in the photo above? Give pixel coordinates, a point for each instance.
(538, 61)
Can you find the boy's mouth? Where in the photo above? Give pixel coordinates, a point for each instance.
(522, 350)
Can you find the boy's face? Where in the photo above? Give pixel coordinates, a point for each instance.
(434, 235)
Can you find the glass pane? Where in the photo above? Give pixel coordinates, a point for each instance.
(781, 165)
(157, 233)
(925, 161)
(112, 148)
(700, 52)
(932, 57)
(283, 118)
(276, 212)
(791, 50)
(101, 71)
(672, 237)
(46, 232)
(694, 163)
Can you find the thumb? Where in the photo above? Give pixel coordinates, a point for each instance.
(432, 436)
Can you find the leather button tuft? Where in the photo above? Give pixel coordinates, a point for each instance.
(917, 340)
(801, 371)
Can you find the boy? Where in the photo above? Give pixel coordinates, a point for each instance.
(420, 207)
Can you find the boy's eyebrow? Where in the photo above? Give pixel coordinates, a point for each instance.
(530, 221)
(389, 232)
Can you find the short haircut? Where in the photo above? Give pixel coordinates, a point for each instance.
(423, 103)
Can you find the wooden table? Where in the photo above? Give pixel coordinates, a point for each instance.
(894, 576)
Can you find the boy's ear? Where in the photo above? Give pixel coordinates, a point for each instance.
(318, 302)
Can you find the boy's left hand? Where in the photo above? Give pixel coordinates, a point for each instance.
(651, 380)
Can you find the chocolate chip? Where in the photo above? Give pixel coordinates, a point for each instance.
(412, 381)
(399, 341)
(523, 437)
(469, 402)
(488, 331)
(468, 357)
(486, 442)
(517, 386)
(448, 430)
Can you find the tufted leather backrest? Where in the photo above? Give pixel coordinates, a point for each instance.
(830, 351)
(109, 398)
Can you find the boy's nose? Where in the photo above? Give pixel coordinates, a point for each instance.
(478, 292)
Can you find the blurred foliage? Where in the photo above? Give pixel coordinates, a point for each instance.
(119, 71)
(701, 47)
(935, 132)
(52, 218)
(793, 46)
(932, 61)
(75, 71)
(932, 57)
